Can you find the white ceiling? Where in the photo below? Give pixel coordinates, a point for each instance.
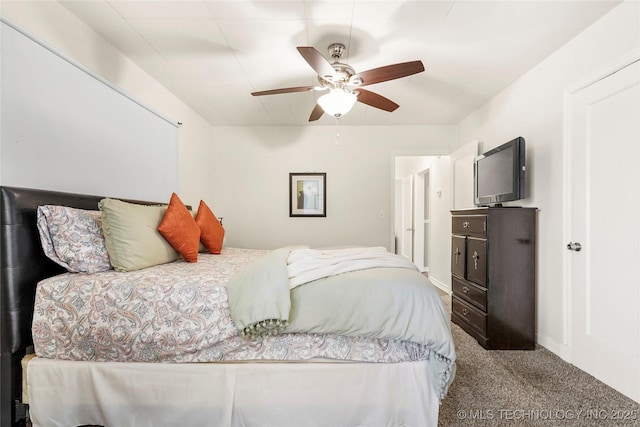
(213, 54)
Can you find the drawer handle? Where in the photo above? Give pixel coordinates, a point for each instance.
(465, 289)
(475, 257)
(456, 254)
(466, 224)
(465, 312)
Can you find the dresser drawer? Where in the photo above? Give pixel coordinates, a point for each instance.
(470, 293)
(469, 314)
(472, 225)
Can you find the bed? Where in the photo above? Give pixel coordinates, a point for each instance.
(283, 368)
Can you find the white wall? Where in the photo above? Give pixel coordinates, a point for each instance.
(409, 165)
(440, 250)
(533, 108)
(62, 31)
(252, 166)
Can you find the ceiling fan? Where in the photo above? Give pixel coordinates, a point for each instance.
(344, 84)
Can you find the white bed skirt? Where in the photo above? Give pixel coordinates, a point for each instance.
(63, 393)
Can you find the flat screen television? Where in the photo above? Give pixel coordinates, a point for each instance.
(499, 174)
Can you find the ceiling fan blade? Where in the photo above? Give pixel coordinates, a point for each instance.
(316, 113)
(284, 90)
(390, 72)
(374, 100)
(318, 62)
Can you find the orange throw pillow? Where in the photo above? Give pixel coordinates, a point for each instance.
(180, 229)
(212, 233)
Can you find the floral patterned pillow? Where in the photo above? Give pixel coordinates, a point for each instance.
(73, 238)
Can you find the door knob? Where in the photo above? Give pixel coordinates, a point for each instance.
(574, 246)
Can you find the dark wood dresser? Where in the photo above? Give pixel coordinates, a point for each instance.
(493, 275)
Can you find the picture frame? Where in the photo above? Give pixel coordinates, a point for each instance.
(307, 194)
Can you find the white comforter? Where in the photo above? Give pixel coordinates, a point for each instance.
(305, 265)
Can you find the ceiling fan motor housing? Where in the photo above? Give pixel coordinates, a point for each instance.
(336, 50)
(343, 72)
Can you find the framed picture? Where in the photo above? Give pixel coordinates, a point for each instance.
(308, 194)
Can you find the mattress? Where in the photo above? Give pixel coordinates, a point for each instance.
(177, 313)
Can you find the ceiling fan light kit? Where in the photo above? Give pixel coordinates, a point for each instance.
(342, 80)
(338, 102)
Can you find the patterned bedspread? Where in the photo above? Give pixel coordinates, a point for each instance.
(178, 313)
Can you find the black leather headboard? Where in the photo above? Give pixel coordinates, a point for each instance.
(22, 261)
(22, 265)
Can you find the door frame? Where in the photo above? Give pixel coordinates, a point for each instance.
(421, 245)
(407, 211)
(567, 290)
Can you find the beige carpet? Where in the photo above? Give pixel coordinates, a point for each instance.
(528, 388)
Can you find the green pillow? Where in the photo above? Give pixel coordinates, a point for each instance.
(131, 235)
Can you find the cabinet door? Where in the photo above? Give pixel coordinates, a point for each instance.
(477, 261)
(458, 256)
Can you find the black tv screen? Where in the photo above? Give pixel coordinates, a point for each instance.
(499, 174)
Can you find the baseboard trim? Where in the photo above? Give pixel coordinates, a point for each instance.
(559, 349)
(440, 285)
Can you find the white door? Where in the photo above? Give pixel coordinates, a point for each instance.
(604, 233)
(406, 215)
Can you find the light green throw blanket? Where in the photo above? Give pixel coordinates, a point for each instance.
(259, 295)
(384, 303)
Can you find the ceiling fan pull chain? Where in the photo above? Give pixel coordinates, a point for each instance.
(337, 131)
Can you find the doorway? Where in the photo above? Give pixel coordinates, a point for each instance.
(416, 178)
